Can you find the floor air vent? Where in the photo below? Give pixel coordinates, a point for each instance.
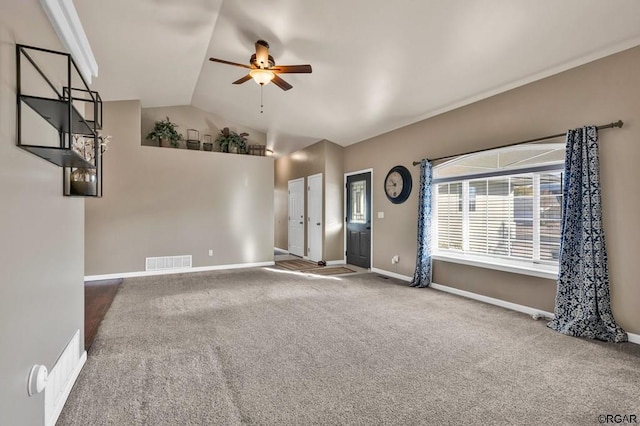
(164, 263)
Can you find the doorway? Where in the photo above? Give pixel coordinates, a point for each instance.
(358, 219)
(314, 217)
(296, 217)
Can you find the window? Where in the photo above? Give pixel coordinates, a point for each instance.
(358, 208)
(503, 205)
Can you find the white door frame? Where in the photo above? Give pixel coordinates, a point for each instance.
(311, 226)
(295, 181)
(344, 205)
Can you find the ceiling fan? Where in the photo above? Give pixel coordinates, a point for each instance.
(264, 69)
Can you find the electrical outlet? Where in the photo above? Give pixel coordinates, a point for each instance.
(210, 252)
(395, 259)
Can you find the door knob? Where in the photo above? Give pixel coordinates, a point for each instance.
(368, 227)
(318, 223)
(301, 223)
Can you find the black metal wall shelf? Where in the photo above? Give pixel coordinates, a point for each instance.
(80, 169)
(59, 156)
(56, 111)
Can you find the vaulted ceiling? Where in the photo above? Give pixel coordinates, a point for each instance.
(377, 65)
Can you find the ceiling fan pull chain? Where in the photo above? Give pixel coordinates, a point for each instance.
(261, 99)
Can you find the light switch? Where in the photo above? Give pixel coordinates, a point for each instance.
(380, 215)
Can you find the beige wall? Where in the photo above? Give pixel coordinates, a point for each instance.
(41, 234)
(596, 93)
(333, 206)
(163, 201)
(322, 157)
(189, 117)
(300, 164)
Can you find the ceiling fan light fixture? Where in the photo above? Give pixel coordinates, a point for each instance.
(261, 76)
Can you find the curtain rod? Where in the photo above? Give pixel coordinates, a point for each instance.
(618, 124)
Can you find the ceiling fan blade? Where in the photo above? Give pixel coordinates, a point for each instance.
(290, 69)
(281, 83)
(262, 54)
(222, 61)
(243, 79)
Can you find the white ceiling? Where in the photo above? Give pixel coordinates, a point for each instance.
(377, 65)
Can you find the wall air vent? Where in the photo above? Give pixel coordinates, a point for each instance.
(164, 263)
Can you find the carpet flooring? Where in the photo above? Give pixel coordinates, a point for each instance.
(266, 346)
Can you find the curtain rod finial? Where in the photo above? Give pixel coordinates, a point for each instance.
(618, 123)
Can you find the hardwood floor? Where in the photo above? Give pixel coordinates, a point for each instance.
(98, 296)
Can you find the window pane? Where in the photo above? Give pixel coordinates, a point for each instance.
(449, 216)
(551, 183)
(499, 216)
(358, 208)
(549, 251)
(522, 249)
(455, 216)
(550, 215)
(502, 159)
(442, 227)
(478, 216)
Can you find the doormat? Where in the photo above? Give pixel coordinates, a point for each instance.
(330, 271)
(297, 265)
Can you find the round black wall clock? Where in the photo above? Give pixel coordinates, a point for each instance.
(397, 184)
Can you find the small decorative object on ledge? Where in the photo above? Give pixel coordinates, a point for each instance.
(193, 139)
(230, 141)
(257, 150)
(83, 181)
(164, 131)
(207, 144)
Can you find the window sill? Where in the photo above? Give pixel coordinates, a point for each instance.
(542, 271)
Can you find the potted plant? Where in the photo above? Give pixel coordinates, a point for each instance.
(83, 181)
(164, 131)
(230, 141)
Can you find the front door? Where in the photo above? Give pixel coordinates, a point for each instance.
(359, 220)
(296, 217)
(314, 217)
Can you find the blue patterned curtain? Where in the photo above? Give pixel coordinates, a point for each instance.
(422, 275)
(583, 305)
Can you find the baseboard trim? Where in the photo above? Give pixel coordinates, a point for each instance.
(493, 301)
(176, 271)
(469, 295)
(392, 274)
(57, 410)
(335, 262)
(634, 338)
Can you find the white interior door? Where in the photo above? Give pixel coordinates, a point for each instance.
(296, 217)
(314, 217)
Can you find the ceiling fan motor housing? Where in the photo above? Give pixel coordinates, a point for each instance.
(254, 62)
